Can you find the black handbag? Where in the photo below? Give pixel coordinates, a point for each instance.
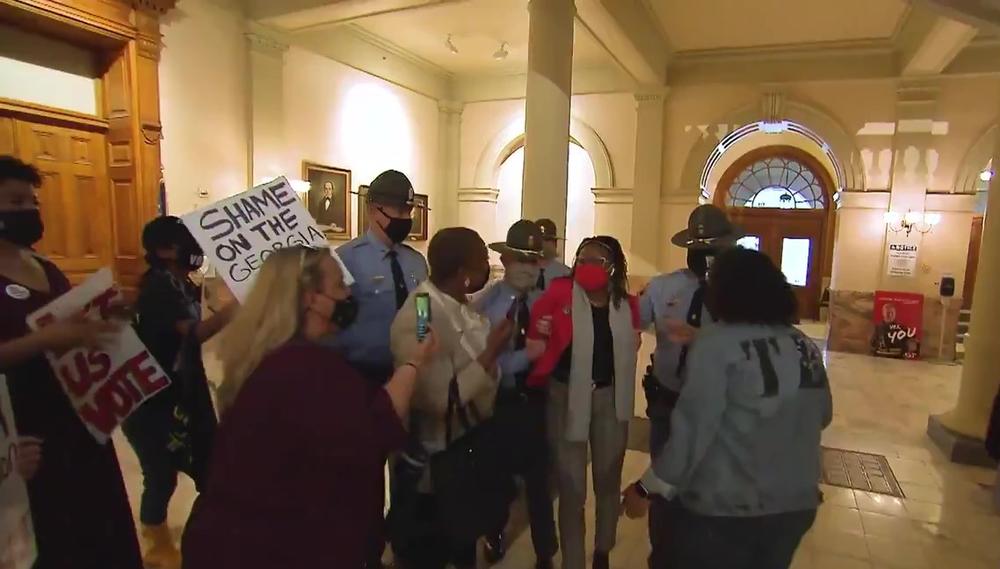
(472, 485)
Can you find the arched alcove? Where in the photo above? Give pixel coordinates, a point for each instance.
(511, 137)
(814, 130)
(978, 157)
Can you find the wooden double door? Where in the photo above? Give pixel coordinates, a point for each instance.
(75, 194)
(793, 239)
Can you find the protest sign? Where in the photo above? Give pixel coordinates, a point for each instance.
(239, 232)
(17, 535)
(899, 322)
(104, 385)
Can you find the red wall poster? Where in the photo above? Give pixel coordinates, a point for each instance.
(898, 320)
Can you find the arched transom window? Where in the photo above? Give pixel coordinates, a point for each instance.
(777, 182)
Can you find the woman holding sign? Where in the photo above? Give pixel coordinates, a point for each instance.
(172, 432)
(295, 476)
(79, 507)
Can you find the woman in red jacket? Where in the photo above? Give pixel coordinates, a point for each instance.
(590, 324)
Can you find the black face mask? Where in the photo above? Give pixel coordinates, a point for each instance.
(344, 313)
(699, 262)
(398, 227)
(22, 227)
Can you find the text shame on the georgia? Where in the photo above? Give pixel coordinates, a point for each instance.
(237, 229)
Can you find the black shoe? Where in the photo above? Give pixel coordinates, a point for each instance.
(495, 549)
(544, 564)
(601, 561)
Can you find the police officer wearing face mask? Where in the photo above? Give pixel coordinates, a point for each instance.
(385, 271)
(519, 411)
(673, 304)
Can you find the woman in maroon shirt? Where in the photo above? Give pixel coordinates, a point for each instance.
(294, 480)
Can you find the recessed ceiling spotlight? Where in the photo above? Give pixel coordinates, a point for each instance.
(451, 45)
(501, 53)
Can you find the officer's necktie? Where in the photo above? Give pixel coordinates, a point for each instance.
(541, 280)
(398, 280)
(693, 319)
(521, 318)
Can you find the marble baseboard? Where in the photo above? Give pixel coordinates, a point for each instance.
(851, 327)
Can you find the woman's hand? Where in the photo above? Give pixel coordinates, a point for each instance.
(635, 505)
(425, 349)
(80, 332)
(29, 456)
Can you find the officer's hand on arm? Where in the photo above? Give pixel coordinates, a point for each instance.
(679, 332)
(534, 349)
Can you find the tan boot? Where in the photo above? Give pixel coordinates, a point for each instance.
(161, 552)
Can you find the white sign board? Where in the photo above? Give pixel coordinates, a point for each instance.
(902, 260)
(239, 232)
(17, 535)
(104, 385)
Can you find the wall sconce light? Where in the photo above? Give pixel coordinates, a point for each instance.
(501, 53)
(300, 186)
(912, 220)
(986, 175)
(451, 45)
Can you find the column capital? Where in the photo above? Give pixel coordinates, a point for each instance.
(564, 4)
(267, 45)
(450, 107)
(478, 195)
(613, 195)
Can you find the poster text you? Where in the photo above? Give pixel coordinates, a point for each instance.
(245, 229)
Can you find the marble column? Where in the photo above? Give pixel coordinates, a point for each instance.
(266, 145)
(547, 105)
(961, 431)
(645, 249)
(445, 211)
(613, 215)
(477, 209)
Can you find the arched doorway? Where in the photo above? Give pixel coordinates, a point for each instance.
(783, 198)
(581, 181)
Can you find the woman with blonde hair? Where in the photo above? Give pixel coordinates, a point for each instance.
(294, 476)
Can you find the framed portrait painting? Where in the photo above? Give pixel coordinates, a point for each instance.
(419, 230)
(329, 198)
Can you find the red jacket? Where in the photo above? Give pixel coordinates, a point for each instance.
(557, 303)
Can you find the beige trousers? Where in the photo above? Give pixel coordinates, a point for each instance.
(608, 440)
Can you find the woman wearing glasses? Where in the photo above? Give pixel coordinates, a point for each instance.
(295, 470)
(590, 325)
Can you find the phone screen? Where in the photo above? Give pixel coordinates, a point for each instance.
(423, 306)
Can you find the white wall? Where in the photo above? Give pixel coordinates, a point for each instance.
(341, 117)
(40, 70)
(203, 104)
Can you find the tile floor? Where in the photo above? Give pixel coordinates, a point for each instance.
(946, 520)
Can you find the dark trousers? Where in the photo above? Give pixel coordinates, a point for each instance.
(159, 473)
(433, 550)
(715, 542)
(660, 408)
(521, 418)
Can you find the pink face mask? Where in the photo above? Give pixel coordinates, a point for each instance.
(590, 277)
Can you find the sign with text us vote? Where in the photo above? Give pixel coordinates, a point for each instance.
(239, 232)
(104, 385)
(17, 534)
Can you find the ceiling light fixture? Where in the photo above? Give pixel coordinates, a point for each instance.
(451, 45)
(501, 53)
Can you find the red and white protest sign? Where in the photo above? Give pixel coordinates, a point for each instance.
(17, 534)
(105, 385)
(899, 322)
